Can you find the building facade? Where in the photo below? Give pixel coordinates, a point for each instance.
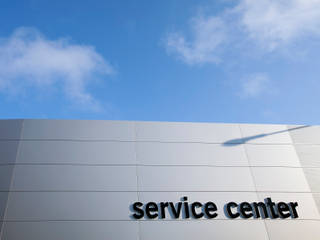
(77, 179)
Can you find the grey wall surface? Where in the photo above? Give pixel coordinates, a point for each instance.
(66, 179)
(10, 133)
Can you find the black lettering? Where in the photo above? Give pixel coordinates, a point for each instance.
(229, 212)
(193, 210)
(245, 207)
(176, 212)
(293, 210)
(163, 205)
(137, 208)
(151, 207)
(210, 208)
(186, 207)
(260, 210)
(282, 209)
(270, 206)
(266, 209)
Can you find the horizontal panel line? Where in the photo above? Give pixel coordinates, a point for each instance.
(151, 191)
(225, 143)
(152, 165)
(155, 220)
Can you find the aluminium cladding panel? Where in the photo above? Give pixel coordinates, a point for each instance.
(303, 134)
(71, 212)
(309, 155)
(10, 129)
(187, 132)
(78, 130)
(293, 230)
(204, 230)
(8, 155)
(272, 155)
(307, 144)
(194, 178)
(316, 197)
(265, 134)
(73, 178)
(70, 206)
(6, 173)
(8, 152)
(313, 177)
(280, 179)
(3, 204)
(77, 152)
(9, 135)
(161, 153)
(80, 230)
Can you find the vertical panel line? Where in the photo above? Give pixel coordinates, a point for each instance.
(137, 173)
(253, 178)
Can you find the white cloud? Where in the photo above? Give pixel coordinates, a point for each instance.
(255, 85)
(208, 34)
(277, 22)
(270, 23)
(28, 59)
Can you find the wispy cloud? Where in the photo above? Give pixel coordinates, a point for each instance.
(28, 59)
(267, 24)
(255, 85)
(207, 33)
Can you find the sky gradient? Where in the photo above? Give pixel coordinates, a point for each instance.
(243, 61)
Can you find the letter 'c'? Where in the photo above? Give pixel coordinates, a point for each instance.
(229, 212)
(193, 210)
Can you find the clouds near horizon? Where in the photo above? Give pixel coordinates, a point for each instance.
(29, 60)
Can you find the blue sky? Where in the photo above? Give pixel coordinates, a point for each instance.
(172, 60)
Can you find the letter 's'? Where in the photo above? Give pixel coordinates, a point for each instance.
(139, 213)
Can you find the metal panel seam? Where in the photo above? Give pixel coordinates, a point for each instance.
(11, 182)
(253, 179)
(137, 172)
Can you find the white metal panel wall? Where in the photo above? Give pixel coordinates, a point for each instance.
(306, 140)
(10, 131)
(73, 180)
(195, 160)
(77, 179)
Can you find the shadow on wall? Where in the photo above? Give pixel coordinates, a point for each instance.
(238, 141)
